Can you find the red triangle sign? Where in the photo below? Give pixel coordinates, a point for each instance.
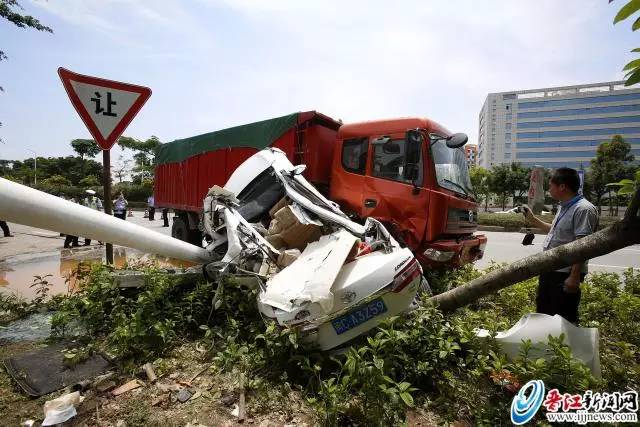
(105, 106)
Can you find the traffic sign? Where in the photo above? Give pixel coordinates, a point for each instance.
(105, 106)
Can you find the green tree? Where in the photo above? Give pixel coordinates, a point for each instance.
(633, 67)
(85, 147)
(55, 184)
(611, 164)
(499, 183)
(89, 181)
(480, 178)
(144, 155)
(518, 181)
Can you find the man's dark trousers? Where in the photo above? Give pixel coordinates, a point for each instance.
(5, 229)
(552, 299)
(152, 214)
(165, 217)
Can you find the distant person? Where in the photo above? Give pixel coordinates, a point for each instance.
(69, 240)
(99, 205)
(120, 207)
(165, 217)
(5, 229)
(559, 290)
(152, 208)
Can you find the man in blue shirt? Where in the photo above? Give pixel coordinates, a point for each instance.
(559, 291)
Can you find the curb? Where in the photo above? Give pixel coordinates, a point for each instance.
(501, 229)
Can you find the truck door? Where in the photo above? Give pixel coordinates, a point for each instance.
(394, 186)
(348, 175)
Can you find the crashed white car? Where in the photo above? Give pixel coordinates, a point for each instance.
(317, 270)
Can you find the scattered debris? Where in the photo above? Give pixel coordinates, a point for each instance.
(242, 407)
(161, 400)
(61, 409)
(43, 370)
(131, 385)
(105, 386)
(184, 395)
(151, 375)
(202, 371)
(228, 398)
(584, 342)
(28, 423)
(168, 387)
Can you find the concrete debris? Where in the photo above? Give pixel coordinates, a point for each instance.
(151, 375)
(131, 385)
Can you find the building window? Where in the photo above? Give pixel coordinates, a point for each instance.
(354, 155)
(509, 116)
(581, 122)
(507, 146)
(509, 96)
(507, 155)
(508, 107)
(507, 126)
(579, 132)
(507, 136)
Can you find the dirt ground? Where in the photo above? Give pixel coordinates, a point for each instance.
(214, 396)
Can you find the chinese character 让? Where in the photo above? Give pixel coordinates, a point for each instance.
(97, 100)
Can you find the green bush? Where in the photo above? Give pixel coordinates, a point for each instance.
(514, 222)
(423, 359)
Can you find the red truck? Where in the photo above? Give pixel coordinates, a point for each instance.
(400, 171)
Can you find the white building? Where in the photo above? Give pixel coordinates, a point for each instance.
(560, 126)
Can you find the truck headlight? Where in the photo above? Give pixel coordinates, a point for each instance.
(439, 256)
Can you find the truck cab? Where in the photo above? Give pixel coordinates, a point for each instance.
(409, 174)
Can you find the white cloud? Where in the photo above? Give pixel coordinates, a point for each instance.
(226, 62)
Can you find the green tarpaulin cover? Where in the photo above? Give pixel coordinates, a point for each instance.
(257, 135)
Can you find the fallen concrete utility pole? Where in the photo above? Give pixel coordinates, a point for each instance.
(623, 233)
(27, 206)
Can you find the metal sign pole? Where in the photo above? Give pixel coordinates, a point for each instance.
(106, 176)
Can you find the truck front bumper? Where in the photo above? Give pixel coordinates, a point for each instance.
(452, 253)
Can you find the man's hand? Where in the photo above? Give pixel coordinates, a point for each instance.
(572, 284)
(528, 215)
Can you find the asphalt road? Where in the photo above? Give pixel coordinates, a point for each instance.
(507, 247)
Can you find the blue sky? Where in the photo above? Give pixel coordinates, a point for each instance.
(213, 64)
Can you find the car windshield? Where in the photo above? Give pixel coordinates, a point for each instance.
(451, 167)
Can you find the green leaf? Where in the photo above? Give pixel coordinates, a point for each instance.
(407, 399)
(633, 79)
(442, 354)
(626, 190)
(636, 49)
(404, 386)
(627, 10)
(636, 25)
(633, 64)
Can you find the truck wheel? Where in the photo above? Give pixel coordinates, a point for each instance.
(179, 229)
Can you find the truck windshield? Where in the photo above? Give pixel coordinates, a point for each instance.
(451, 168)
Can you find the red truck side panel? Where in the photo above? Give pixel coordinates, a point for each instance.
(319, 142)
(183, 185)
